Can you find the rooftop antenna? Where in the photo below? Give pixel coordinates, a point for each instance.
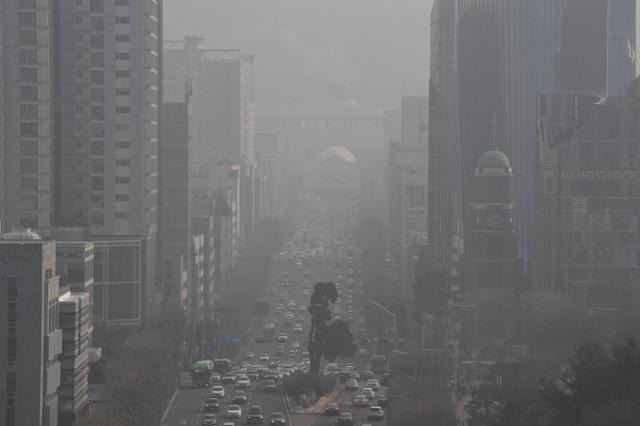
(494, 124)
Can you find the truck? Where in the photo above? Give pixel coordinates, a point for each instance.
(201, 372)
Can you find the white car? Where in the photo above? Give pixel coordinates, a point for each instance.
(375, 413)
(217, 391)
(242, 381)
(233, 412)
(373, 384)
(283, 338)
(264, 358)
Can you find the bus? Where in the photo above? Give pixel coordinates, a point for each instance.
(379, 364)
(221, 365)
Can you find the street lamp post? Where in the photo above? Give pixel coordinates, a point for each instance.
(393, 315)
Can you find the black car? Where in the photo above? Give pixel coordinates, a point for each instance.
(254, 416)
(333, 409)
(345, 419)
(381, 401)
(277, 419)
(211, 405)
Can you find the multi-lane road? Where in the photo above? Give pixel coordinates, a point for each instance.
(289, 284)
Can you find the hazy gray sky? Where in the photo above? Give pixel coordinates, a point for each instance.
(304, 46)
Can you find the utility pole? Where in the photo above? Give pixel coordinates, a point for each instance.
(393, 315)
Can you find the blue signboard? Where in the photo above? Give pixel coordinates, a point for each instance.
(230, 340)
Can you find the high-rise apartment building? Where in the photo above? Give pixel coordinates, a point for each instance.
(27, 114)
(80, 101)
(29, 333)
(109, 90)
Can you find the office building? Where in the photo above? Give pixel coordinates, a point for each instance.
(269, 174)
(205, 225)
(30, 336)
(223, 118)
(27, 114)
(175, 199)
(74, 264)
(445, 189)
(490, 61)
(597, 48)
(118, 294)
(77, 330)
(588, 218)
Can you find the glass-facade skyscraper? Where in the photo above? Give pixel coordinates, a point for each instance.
(490, 59)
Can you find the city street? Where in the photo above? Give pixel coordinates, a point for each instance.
(290, 283)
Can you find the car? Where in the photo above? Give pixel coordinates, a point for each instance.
(270, 386)
(242, 381)
(367, 375)
(211, 404)
(233, 412)
(297, 328)
(228, 424)
(368, 392)
(217, 391)
(293, 352)
(279, 351)
(277, 419)
(228, 379)
(249, 355)
(332, 367)
(373, 384)
(216, 379)
(360, 401)
(375, 413)
(345, 419)
(264, 358)
(240, 397)
(209, 420)
(381, 401)
(252, 374)
(254, 415)
(283, 338)
(333, 409)
(351, 384)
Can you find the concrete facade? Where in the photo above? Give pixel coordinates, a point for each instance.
(75, 310)
(29, 367)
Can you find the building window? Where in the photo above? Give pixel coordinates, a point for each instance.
(122, 163)
(122, 180)
(122, 197)
(28, 129)
(28, 111)
(122, 215)
(27, 19)
(29, 184)
(28, 93)
(122, 145)
(122, 110)
(122, 74)
(27, 38)
(122, 19)
(29, 166)
(28, 57)
(122, 37)
(28, 75)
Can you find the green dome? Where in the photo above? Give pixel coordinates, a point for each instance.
(494, 160)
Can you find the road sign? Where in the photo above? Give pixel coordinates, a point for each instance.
(230, 340)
